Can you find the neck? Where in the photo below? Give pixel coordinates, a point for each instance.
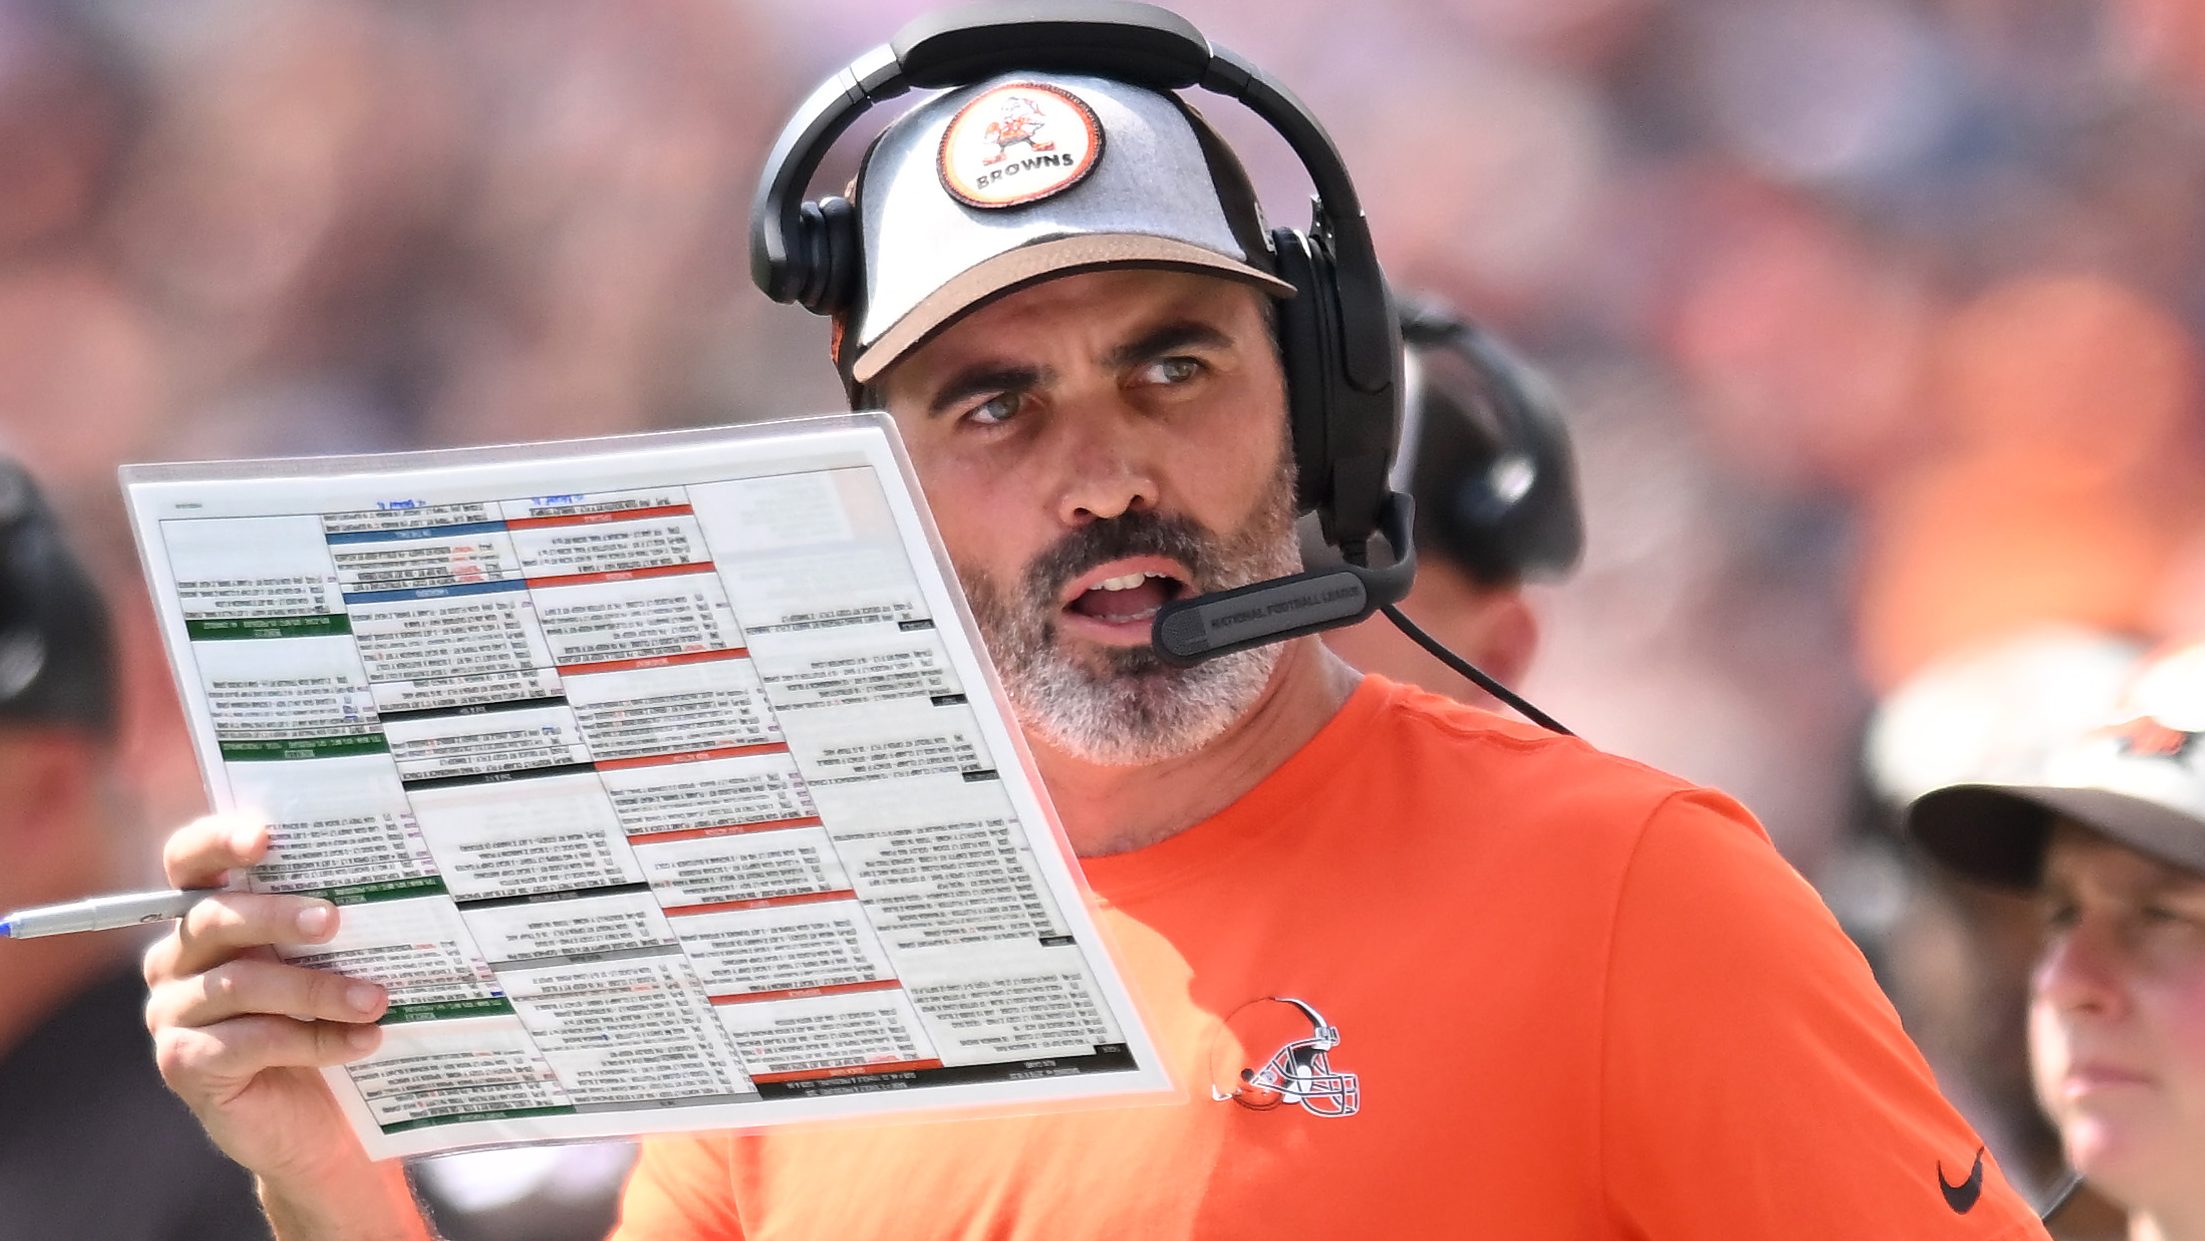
(1109, 810)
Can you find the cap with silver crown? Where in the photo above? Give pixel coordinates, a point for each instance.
(992, 187)
(2139, 780)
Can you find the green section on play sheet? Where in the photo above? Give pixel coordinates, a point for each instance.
(488, 1006)
(387, 890)
(268, 627)
(304, 747)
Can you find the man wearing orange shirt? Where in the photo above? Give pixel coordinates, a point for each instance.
(1427, 971)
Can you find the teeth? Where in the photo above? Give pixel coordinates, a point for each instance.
(1128, 582)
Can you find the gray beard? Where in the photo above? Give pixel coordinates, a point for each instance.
(1124, 706)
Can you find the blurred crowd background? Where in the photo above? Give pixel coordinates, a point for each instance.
(1879, 321)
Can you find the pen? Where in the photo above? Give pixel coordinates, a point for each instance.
(102, 913)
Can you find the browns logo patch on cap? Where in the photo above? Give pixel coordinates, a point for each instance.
(1018, 143)
(2164, 706)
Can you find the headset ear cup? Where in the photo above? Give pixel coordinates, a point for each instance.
(1302, 353)
(825, 282)
(1524, 500)
(807, 263)
(1494, 473)
(1343, 438)
(842, 255)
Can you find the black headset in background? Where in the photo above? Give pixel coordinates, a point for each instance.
(1337, 334)
(56, 654)
(1485, 451)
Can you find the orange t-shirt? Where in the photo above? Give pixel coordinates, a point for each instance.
(1581, 999)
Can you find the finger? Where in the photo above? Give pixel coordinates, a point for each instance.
(199, 1062)
(202, 852)
(247, 986)
(222, 926)
(160, 975)
(160, 957)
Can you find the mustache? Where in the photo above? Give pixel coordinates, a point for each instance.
(1115, 538)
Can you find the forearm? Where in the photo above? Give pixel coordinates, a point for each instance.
(378, 1207)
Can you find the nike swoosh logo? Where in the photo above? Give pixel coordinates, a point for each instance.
(1961, 1198)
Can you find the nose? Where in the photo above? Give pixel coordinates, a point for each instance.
(2082, 971)
(1107, 461)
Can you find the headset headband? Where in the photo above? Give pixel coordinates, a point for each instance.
(1136, 43)
(57, 659)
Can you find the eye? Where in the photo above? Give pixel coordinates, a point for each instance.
(1172, 371)
(996, 410)
(2057, 916)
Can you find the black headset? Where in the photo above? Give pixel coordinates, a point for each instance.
(1337, 333)
(56, 653)
(1485, 451)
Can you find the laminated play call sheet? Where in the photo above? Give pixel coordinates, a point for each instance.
(660, 779)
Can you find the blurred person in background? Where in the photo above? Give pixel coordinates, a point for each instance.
(1955, 955)
(1486, 456)
(2109, 838)
(91, 1143)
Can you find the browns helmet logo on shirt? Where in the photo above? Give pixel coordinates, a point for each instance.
(1299, 1073)
(1018, 143)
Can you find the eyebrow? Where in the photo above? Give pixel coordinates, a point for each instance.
(2159, 882)
(1164, 338)
(992, 376)
(979, 379)
(2167, 883)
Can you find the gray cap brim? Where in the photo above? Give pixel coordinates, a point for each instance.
(1996, 833)
(1036, 261)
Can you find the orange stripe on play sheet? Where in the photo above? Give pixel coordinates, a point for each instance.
(725, 829)
(618, 575)
(691, 756)
(763, 902)
(849, 1070)
(653, 661)
(595, 519)
(803, 993)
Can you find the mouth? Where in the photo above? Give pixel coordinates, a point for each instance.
(1115, 603)
(2093, 1078)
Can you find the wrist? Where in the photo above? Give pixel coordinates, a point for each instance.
(372, 1203)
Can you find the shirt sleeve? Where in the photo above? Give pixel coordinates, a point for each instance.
(1756, 1083)
(680, 1190)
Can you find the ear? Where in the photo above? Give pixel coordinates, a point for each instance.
(1491, 626)
(1507, 636)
